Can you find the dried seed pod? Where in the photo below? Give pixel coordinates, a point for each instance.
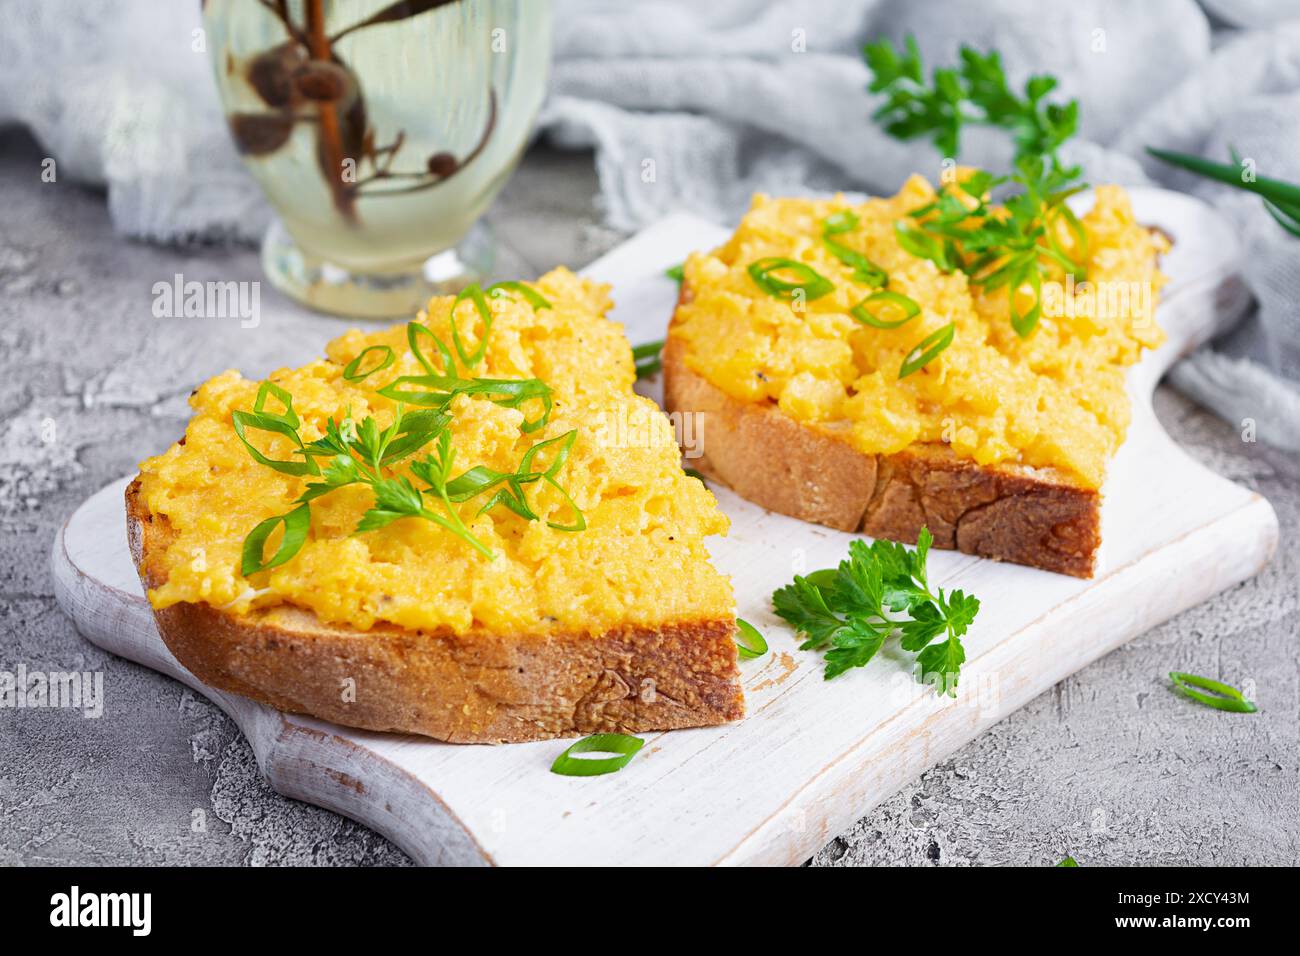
(442, 165)
(323, 82)
(257, 134)
(270, 74)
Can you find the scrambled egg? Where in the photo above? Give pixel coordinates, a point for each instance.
(1054, 399)
(641, 560)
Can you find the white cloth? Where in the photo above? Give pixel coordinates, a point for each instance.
(697, 105)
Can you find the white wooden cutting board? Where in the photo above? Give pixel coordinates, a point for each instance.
(812, 756)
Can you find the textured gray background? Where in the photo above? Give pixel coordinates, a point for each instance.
(1109, 766)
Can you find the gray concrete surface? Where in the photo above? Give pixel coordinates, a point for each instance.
(1109, 766)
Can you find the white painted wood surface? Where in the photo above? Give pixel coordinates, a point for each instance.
(812, 756)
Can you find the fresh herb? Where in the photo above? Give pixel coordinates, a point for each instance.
(503, 290)
(974, 93)
(352, 372)
(437, 391)
(864, 270)
(809, 284)
(296, 525)
(750, 642)
(677, 273)
(1012, 247)
(696, 474)
(878, 591)
(907, 307)
(1281, 199)
(474, 295)
(623, 746)
(1068, 861)
(926, 350)
(1222, 696)
(478, 298)
(281, 423)
(648, 359)
(365, 454)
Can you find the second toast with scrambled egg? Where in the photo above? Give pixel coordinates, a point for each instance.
(998, 443)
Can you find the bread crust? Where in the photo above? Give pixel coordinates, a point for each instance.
(1034, 516)
(477, 687)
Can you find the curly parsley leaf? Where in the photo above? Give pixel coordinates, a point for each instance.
(879, 591)
(975, 92)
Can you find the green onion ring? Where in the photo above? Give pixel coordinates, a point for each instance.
(625, 746)
(502, 290)
(909, 306)
(1228, 698)
(352, 374)
(288, 416)
(296, 525)
(812, 283)
(927, 349)
(749, 642)
(474, 294)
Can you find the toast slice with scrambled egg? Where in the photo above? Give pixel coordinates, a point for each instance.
(998, 443)
(469, 528)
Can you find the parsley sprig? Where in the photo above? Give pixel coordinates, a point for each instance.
(878, 591)
(1012, 246)
(975, 92)
(1017, 245)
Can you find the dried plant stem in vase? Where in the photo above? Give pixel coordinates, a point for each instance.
(380, 131)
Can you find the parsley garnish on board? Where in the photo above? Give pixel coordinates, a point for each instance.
(880, 590)
(1014, 246)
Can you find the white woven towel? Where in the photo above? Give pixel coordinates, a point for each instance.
(698, 105)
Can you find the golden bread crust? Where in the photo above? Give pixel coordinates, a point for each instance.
(471, 688)
(1033, 516)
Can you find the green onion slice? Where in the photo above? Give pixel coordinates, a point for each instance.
(502, 290)
(1024, 324)
(647, 359)
(296, 525)
(413, 332)
(437, 391)
(864, 270)
(927, 349)
(1223, 697)
(885, 297)
(268, 422)
(565, 443)
(749, 642)
(624, 746)
(471, 293)
(288, 416)
(924, 246)
(353, 373)
(1068, 861)
(810, 282)
(677, 273)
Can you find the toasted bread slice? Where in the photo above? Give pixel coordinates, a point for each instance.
(1035, 516)
(477, 687)
(845, 377)
(550, 629)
